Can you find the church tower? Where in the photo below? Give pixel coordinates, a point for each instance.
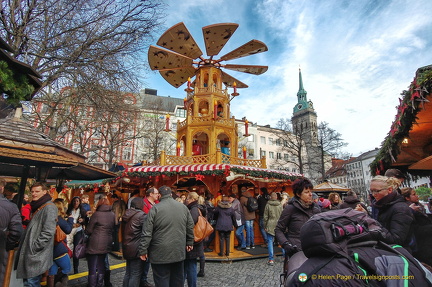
(304, 119)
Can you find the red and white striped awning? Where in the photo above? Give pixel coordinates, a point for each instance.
(178, 168)
(204, 167)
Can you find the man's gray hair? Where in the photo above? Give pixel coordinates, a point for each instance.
(164, 190)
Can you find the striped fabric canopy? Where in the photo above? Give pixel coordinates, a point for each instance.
(205, 167)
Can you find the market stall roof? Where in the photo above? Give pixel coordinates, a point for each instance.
(210, 169)
(329, 187)
(408, 145)
(22, 145)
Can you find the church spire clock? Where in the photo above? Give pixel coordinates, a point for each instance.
(302, 102)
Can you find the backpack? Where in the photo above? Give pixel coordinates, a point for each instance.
(328, 233)
(393, 261)
(252, 204)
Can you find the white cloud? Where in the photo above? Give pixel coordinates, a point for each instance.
(356, 58)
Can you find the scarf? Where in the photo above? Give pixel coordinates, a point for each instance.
(41, 201)
(304, 204)
(386, 199)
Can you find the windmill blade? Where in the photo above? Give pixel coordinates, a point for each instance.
(177, 77)
(250, 48)
(229, 80)
(216, 36)
(160, 59)
(250, 69)
(179, 39)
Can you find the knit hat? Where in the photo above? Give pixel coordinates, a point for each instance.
(314, 196)
(393, 172)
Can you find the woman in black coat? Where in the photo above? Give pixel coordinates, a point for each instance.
(298, 210)
(224, 224)
(132, 222)
(79, 214)
(190, 263)
(99, 229)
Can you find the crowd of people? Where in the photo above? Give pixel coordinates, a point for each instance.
(157, 230)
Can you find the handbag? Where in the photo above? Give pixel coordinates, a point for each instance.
(202, 228)
(59, 235)
(80, 248)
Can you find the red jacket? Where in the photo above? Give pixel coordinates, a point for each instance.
(148, 205)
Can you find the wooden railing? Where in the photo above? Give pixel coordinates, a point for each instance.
(216, 158)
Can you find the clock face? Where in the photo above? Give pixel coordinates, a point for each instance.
(299, 106)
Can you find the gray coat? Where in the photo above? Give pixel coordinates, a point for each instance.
(168, 229)
(35, 254)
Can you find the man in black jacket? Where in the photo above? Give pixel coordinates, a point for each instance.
(262, 202)
(10, 229)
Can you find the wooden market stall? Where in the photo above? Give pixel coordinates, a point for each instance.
(408, 145)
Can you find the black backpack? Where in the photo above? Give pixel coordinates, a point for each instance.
(252, 204)
(328, 233)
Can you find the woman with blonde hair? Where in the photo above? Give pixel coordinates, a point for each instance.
(61, 251)
(393, 213)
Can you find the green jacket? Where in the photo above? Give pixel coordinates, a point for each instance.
(272, 212)
(168, 229)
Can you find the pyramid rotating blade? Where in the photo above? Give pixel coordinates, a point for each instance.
(178, 77)
(250, 48)
(160, 59)
(216, 36)
(179, 39)
(250, 69)
(229, 80)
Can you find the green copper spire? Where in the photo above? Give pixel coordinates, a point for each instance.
(302, 102)
(301, 94)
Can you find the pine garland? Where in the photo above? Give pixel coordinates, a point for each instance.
(14, 85)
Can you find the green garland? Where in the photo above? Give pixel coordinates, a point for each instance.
(410, 106)
(253, 173)
(15, 85)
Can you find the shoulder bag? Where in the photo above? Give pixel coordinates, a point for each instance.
(202, 228)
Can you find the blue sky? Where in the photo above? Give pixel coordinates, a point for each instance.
(356, 58)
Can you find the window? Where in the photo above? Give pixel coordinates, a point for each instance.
(180, 113)
(278, 155)
(263, 153)
(286, 156)
(271, 154)
(278, 142)
(263, 140)
(285, 143)
(251, 138)
(251, 152)
(127, 153)
(271, 141)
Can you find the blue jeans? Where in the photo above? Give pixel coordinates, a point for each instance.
(250, 240)
(262, 229)
(134, 270)
(63, 263)
(240, 236)
(168, 275)
(190, 272)
(33, 281)
(145, 272)
(270, 239)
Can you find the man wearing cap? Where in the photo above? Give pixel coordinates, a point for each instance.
(167, 235)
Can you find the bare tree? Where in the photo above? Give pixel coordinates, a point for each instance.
(95, 45)
(291, 143)
(309, 158)
(155, 138)
(330, 145)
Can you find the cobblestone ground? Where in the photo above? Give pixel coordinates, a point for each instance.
(252, 272)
